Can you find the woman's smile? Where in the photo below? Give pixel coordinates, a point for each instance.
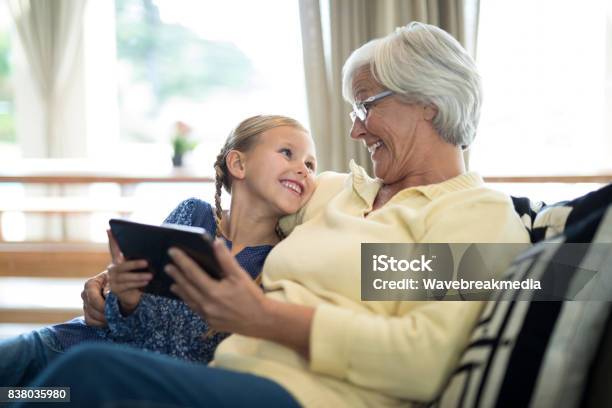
(376, 149)
(372, 148)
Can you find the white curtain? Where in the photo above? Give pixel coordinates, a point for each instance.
(332, 29)
(50, 102)
(50, 32)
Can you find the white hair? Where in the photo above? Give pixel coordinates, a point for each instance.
(426, 65)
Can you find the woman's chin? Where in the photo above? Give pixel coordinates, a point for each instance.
(379, 170)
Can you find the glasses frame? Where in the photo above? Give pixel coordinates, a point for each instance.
(360, 109)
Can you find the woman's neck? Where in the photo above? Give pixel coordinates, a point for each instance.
(248, 224)
(438, 164)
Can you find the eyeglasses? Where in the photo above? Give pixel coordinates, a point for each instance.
(360, 109)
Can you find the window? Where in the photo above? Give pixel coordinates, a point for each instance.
(7, 107)
(547, 77)
(544, 72)
(209, 64)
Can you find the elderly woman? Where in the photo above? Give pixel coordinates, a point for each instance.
(310, 340)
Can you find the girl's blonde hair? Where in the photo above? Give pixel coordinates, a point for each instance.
(242, 139)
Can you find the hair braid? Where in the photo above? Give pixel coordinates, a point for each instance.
(219, 178)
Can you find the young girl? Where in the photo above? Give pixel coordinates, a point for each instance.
(268, 165)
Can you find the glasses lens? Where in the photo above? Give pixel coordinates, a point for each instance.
(361, 113)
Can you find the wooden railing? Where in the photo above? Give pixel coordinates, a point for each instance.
(62, 172)
(48, 260)
(52, 260)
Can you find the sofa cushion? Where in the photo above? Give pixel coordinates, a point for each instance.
(527, 210)
(598, 392)
(551, 220)
(528, 352)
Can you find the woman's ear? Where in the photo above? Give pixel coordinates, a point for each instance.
(430, 112)
(235, 164)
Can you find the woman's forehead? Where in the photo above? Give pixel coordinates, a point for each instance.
(364, 83)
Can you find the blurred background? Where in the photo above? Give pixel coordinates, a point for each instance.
(95, 94)
(138, 68)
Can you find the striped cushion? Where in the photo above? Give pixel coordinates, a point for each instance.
(545, 221)
(526, 353)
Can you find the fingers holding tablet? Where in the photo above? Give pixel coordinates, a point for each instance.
(127, 285)
(113, 247)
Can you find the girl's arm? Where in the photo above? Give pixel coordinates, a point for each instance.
(162, 324)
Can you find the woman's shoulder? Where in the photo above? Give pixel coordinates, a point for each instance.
(464, 189)
(476, 213)
(327, 185)
(330, 183)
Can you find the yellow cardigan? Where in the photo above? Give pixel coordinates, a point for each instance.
(370, 353)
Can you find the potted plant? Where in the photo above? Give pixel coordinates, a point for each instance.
(181, 143)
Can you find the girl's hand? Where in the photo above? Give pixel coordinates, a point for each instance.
(233, 304)
(124, 283)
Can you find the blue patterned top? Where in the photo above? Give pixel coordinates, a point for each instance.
(161, 324)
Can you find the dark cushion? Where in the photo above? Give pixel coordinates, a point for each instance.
(536, 353)
(546, 221)
(527, 210)
(598, 392)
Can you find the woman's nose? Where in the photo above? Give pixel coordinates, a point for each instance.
(358, 129)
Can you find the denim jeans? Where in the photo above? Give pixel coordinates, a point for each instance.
(110, 375)
(23, 357)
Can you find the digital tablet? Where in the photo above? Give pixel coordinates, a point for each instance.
(151, 242)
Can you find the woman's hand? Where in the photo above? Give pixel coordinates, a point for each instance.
(93, 295)
(124, 283)
(235, 304)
